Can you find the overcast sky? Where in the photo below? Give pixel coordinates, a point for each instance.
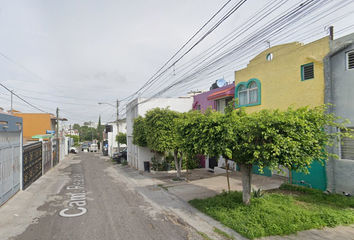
(73, 54)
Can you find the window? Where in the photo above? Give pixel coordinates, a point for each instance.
(307, 72)
(222, 103)
(350, 60)
(198, 107)
(249, 93)
(347, 148)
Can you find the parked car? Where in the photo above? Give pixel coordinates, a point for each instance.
(73, 150)
(93, 147)
(120, 156)
(84, 146)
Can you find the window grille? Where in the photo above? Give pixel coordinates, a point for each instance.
(347, 148)
(307, 72)
(350, 60)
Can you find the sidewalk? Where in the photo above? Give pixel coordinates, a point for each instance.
(205, 184)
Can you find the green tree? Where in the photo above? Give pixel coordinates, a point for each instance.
(76, 126)
(121, 138)
(99, 130)
(139, 134)
(75, 137)
(293, 138)
(87, 133)
(161, 135)
(201, 133)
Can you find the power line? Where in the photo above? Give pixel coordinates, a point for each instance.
(23, 99)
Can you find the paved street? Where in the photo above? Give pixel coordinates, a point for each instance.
(89, 197)
(93, 202)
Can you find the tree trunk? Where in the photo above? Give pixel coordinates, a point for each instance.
(180, 164)
(187, 166)
(246, 170)
(177, 164)
(227, 173)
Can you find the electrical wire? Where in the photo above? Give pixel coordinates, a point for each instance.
(22, 99)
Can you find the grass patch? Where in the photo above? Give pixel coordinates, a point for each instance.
(279, 214)
(217, 230)
(204, 235)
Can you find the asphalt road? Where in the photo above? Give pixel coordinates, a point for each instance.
(98, 203)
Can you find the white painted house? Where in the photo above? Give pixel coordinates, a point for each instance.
(138, 107)
(111, 137)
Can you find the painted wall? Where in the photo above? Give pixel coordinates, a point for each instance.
(201, 99)
(280, 78)
(138, 107)
(282, 85)
(35, 124)
(339, 91)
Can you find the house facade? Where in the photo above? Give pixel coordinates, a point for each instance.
(339, 76)
(37, 123)
(287, 75)
(110, 134)
(138, 107)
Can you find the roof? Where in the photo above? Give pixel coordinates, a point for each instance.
(229, 92)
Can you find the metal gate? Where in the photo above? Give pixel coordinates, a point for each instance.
(32, 163)
(10, 156)
(47, 156)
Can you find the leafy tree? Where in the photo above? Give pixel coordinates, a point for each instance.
(161, 136)
(200, 133)
(76, 126)
(87, 123)
(139, 134)
(87, 133)
(75, 137)
(121, 138)
(99, 130)
(293, 138)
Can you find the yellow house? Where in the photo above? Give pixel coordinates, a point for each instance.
(282, 76)
(36, 123)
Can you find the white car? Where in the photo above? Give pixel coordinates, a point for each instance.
(93, 147)
(73, 150)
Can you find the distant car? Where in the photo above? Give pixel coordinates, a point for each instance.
(84, 146)
(120, 156)
(93, 147)
(73, 150)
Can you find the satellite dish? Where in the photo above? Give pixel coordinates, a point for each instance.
(221, 82)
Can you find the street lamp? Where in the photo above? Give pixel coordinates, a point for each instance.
(117, 106)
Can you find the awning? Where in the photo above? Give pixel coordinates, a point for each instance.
(230, 92)
(44, 136)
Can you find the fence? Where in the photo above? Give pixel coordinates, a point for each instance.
(32, 163)
(47, 156)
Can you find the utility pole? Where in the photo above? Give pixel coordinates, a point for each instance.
(58, 134)
(70, 138)
(11, 102)
(118, 124)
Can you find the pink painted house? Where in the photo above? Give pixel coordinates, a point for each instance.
(216, 98)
